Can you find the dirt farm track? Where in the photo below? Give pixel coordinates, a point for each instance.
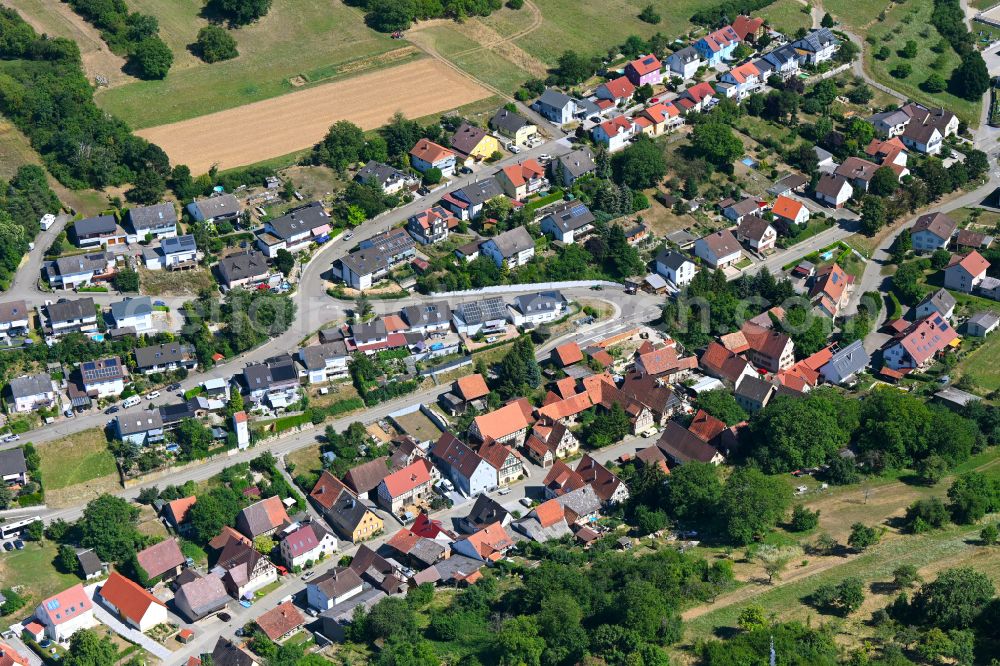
(285, 124)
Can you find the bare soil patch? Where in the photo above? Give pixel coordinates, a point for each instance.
(255, 132)
(175, 283)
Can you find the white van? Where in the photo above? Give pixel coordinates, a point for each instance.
(131, 402)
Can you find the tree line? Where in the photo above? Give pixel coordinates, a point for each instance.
(394, 15)
(129, 34)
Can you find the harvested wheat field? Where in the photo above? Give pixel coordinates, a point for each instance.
(282, 125)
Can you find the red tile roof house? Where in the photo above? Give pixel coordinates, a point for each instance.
(507, 425)
(281, 622)
(567, 354)
(666, 364)
(404, 487)
(830, 289)
(697, 97)
(426, 155)
(65, 613)
(561, 479)
(11, 657)
(307, 543)
(965, 272)
(769, 349)
(618, 90)
(262, 518)
(749, 28)
(790, 211)
(919, 344)
(487, 545)
(518, 181)
(724, 364)
(614, 133)
(471, 387)
(658, 119)
(162, 561)
(645, 69)
(176, 512)
(131, 603)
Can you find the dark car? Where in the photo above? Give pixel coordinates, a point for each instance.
(19, 544)
(8, 546)
(111, 410)
(225, 617)
(174, 387)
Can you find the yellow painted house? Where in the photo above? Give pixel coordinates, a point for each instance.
(474, 143)
(343, 510)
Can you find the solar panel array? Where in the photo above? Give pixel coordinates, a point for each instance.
(108, 368)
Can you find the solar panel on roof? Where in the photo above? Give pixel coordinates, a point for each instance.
(89, 365)
(52, 604)
(577, 211)
(648, 61)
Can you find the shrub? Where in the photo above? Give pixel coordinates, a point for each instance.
(214, 43)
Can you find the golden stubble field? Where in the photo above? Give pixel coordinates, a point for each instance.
(283, 125)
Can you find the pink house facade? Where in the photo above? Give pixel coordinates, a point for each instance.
(645, 69)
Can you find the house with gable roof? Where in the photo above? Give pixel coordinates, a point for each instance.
(605, 483)
(333, 587)
(514, 126)
(508, 424)
(680, 445)
(295, 230)
(262, 518)
(918, 345)
(158, 221)
(677, 268)
(719, 249)
(472, 474)
(830, 289)
(685, 62)
(487, 545)
(429, 155)
(965, 272)
(432, 225)
(133, 604)
(280, 622)
(342, 509)
(305, 543)
(618, 90)
(243, 569)
(520, 180)
(834, 190)
(512, 248)
(387, 178)
(545, 522)
(718, 46)
(555, 106)
(568, 222)
(846, 363)
(932, 231)
(790, 211)
(615, 133)
(658, 119)
(65, 613)
(937, 302)
(741, 81)
(646, 69)
(818, 46)
(757, 233)
(405, 486)
(162, 561)
(573, 165)
(508, 464)
(474, 143)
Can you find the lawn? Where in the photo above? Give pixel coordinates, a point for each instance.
(911, 21)
(856, 13)
(32, 568)
(319, 39)
(591, 28)
(981, 366)
(79, 458)
(786, 16)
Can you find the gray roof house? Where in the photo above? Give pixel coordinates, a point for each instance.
(134, 312)
(166, 356)
(244, 268)
(509, 123)
(387, 178)
(97, 230)
(428, 316)
(575, 165)
(13, 467)
(220, 207)
(198, 598)
(567, 221)
(982, 324)
(158, 220)
(844, 365)
(939, 302)
(30, 392)
(555, 106)
(91, 565)
(537, 308)
(513, 248)
(78, 270)
(140, 426)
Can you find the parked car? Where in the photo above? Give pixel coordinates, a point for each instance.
(111, 410)
(8, 546)
(245, 603)
(174, 387)
(349, 235)
(525, 501)
(505, 490)
(225, 617)
(13, 437)
(19, 544)
(153, 395)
